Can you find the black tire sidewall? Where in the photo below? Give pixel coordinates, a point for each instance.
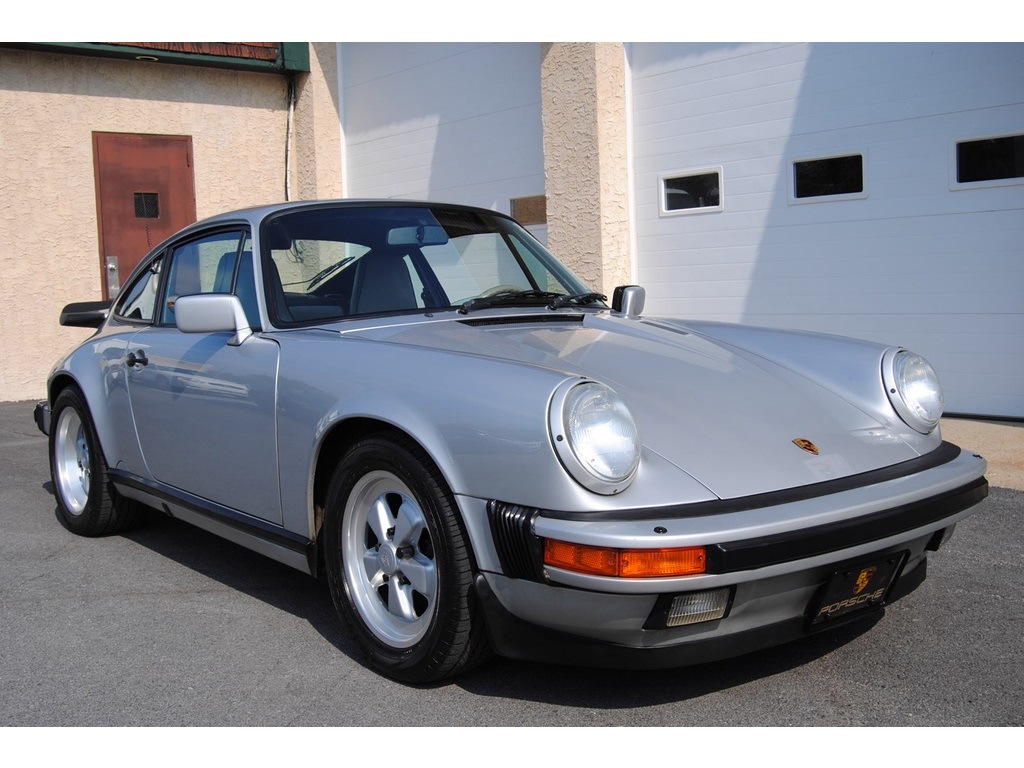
(93, 518)
(424, 660)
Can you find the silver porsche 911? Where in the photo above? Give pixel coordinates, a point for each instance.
(484, 456)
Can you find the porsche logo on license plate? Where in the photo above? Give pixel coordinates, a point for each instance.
(857, 588)
(864, 579)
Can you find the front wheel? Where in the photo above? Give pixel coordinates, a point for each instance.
(398, 565)
(87, 503)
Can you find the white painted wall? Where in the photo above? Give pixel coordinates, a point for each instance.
(452, 122)
(913, 262)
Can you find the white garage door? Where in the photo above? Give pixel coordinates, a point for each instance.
(872, 190)
(449, 122)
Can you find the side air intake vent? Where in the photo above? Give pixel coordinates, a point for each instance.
(520, 551)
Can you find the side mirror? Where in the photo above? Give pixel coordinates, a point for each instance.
(85, 314)
(211, 313)
(628, 301)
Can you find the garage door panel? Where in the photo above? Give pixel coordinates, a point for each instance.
(911, 258)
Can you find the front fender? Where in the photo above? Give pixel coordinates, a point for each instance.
(482, 421)
(851, 368)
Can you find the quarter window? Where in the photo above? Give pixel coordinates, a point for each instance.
(139, 302)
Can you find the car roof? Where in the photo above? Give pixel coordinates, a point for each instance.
(259, 212)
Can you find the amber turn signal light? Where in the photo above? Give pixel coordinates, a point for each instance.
(624, 563)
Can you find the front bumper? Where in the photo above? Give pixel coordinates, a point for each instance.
(515, 638)
(775, 558)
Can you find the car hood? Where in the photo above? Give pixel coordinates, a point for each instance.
(729, 418)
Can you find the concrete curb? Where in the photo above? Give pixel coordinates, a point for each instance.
(1000, 442)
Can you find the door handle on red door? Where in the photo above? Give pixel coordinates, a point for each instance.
(113, 277)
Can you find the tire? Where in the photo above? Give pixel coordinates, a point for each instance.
(398, 565)
(87, 503)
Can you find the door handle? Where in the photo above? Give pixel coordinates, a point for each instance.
(136, 358)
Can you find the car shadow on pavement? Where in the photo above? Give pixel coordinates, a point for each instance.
(248, 572)
(589, 688)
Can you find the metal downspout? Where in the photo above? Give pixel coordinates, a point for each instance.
(288, 140)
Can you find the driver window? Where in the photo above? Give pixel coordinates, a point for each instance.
(245, 286)
(206, 265)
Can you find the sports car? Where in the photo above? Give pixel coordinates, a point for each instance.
(481, 454)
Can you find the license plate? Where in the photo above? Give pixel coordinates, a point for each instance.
(857, 588)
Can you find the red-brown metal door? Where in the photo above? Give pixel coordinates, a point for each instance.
(145, 192)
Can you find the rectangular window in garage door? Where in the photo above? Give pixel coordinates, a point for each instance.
(992, 161)
(693, 191)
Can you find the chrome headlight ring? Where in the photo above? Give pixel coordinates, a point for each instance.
(913, 389)
(594, 435)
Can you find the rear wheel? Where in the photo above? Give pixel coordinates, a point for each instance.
(398, 565)
(87, 503)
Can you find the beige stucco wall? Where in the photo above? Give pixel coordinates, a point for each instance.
(586, 159)
(49, 107)
(316, 145)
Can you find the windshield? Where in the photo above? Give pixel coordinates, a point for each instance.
(329, 263)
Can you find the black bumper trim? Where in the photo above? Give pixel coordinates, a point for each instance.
(748, 554)
(41, 415)
(944, 454)
(521, 551)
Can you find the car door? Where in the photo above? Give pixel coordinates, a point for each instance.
(204, 410)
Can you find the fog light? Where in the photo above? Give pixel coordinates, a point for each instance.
(695, 607)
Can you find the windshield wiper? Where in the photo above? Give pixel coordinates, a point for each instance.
(507, 297)
(564, 299)
(322, 275)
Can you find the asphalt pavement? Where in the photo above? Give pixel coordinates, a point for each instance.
(167, 625)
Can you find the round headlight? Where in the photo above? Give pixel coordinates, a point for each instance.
(913, 389)
(594, 435)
